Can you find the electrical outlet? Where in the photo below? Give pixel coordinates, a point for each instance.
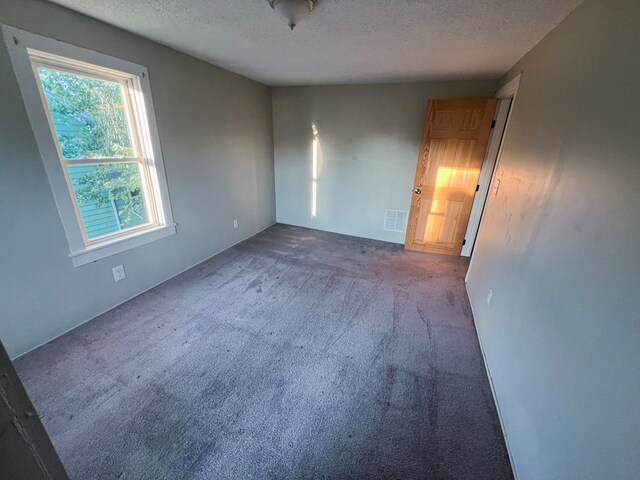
(119, 273)
(235, 223)
(489, 297)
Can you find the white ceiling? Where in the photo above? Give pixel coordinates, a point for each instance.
(344, 41)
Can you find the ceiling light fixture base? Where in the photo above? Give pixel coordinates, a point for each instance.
(295, 11)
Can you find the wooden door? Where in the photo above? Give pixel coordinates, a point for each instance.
(454, 143)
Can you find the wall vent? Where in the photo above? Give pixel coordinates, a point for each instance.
(396, 220)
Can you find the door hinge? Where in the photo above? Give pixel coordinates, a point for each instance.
(464, 242)
(477, 188)
(493, 124)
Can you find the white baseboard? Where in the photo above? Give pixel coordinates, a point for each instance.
(493, 390)
(144, 291)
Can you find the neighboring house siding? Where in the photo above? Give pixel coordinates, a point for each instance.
(64, 128)
(97, 221)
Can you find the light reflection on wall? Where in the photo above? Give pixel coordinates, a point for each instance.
(314, 173)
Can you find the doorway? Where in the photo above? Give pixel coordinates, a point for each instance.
(454, 145)
(505, 101)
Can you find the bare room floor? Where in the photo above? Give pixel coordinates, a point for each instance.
(295, 354)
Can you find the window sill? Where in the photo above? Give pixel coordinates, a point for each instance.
(108, 248)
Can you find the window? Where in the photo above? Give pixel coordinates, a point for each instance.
(93, 119)
(99, 145)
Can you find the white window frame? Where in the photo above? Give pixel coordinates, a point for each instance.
(28, 51)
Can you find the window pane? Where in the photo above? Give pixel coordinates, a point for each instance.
(109, 196)
(88, 115)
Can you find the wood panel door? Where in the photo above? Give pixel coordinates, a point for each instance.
(454, 143)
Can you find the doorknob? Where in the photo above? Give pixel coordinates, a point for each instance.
(417, 191)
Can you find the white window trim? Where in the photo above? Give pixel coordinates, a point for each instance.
(83, 251)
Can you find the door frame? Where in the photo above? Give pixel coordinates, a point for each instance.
(31, 450)
(506, 95)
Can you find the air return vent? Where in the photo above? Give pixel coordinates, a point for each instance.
(396, 220)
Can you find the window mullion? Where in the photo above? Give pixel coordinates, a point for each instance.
(136, 129)
(150, 200)
(101, 161)
(133, 122)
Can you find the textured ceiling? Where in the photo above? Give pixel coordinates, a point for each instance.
(344, 41)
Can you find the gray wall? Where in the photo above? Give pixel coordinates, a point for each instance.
(559, 248)
(369, 139)
(217, 139)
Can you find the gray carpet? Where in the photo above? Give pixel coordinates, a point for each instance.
(295, 354)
